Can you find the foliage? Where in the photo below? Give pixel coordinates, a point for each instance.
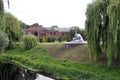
(102, 28)
(50, 39)
(53, 27)
(3, 36)
(60, 39)
(40, 39)
(13, 30)
(3, 41)
(66, 38)
(36, 25)
(1, 15)
(23, 25)
(29, 41)
(39, 59)
(44, 40)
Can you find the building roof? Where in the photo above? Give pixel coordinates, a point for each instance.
(34, 28)
(62, 29)
(44, 28)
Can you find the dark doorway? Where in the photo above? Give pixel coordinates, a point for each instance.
(36, 33)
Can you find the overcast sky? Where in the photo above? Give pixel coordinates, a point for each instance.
(64, 13)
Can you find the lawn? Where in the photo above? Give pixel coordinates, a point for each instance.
(43, 59)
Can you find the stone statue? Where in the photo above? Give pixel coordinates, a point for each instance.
(77, 38)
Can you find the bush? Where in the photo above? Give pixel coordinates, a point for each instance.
(50, 39)
(3, 41)
(44, 40)
(68, 38)
(40, 40)
(60, 39)
(29, 41)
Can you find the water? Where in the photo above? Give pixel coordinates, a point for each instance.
(41, 77)
(12, 72)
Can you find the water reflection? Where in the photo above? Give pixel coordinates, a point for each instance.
(41, 77)
(12, 72)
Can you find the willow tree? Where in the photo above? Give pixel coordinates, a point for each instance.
(1, 15)
(12, 29)
(103, 29)
(3, 36)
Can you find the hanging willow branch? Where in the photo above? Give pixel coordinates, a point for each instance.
(1, 15)
(103, 29)
(94, 27)
(113, 36)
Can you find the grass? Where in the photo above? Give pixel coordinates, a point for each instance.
(78, 53)
(41, 60)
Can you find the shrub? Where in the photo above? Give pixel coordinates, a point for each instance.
(49, 39)
(44, 40)
(60, 39)
(3, 41)
(52, 40)
(29, 41)
(40, 39)
(68, 38)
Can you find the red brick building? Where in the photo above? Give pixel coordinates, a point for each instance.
(47, 32)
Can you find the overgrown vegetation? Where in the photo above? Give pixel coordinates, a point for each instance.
(40, 60)
(78, 53)
(3, 41)
(1, 15)
(29, 41)
(13, 30)
(103, 29)
(3, 36)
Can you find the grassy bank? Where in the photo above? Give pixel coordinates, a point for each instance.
(77, 53)
(41, 60)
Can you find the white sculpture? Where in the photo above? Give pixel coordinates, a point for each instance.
(77, 38)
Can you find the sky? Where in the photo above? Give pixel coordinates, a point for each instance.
(63, 13)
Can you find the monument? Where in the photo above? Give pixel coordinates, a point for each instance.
(76, 40)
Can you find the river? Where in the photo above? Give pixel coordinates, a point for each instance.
(11, 72)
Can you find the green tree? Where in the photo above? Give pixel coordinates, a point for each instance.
(3, 36)
(53, 27)
(68, 38)
(36, 25)
(103, 28)
(1, 15)
(13, 30)
(29, 41)
(60, 39)
(23, 25)
(3, 41)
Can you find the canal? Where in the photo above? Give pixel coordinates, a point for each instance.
(11, 72)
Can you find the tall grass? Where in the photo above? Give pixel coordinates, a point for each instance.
(40, 60)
